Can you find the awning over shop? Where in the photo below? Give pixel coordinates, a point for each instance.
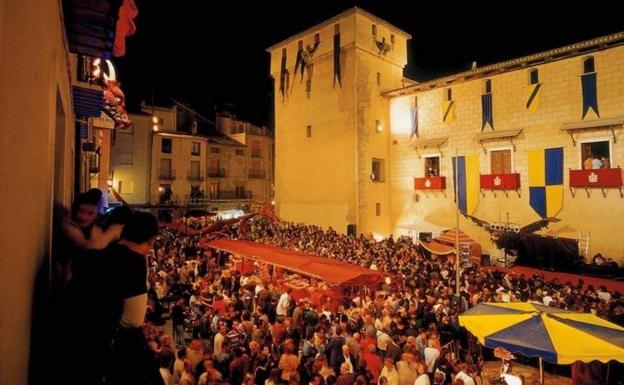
(88, 102)
(99, 28)
(329, 270)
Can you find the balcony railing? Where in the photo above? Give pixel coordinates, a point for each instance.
(195, 176)
(194, 201)
(216, 173)
(167, 174)
(602, 178)
(231, 195)
(256, 153)
(430, 183)
(257, 174)
(500, 182)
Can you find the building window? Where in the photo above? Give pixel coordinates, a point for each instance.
(337, 28)
(165, 146)
(378, 126)
(309, 131)
(378, 78)
(317, 39)
(195, 170)
(195, 146)
(240, 191)
(534, 76)
(374, 30)
(588, 65)
(391, 38)
(432, 166)
(488, 86)
(256, 152)
(378, 209)
(449, 94)
(215, 150)
(240, 152)
(165, 169)
(500, 162)
(119, 187)
(378, 172)
(596, 154)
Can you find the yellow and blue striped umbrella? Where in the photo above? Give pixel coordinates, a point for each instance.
(555, 335)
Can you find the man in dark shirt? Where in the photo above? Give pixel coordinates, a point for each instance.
(177, 320)
(126, 267)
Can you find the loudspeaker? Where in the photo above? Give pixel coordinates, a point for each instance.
(351, 230)
(485, 260)
(425, 237)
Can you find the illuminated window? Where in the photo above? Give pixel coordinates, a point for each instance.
(378, 172)
(195, 148)
(432, 166)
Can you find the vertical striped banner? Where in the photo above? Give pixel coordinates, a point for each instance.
(467, 178)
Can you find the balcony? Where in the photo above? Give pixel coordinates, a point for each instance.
(500, 182)
(256, 153)
(166, 174)
(257, 174)
(194, 201)
(231, 195)
(195, 176)
(602, 178)
(430, 183)
(216, 173)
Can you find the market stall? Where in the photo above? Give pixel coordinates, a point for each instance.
(319, 279)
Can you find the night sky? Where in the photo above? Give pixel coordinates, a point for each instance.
(204, 52)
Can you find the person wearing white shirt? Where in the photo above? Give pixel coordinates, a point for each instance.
(431, 355)
(282, 304)
(467, 375)
(423, 378)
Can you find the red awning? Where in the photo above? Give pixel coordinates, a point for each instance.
(329, 270)
(437, 248)
(448, 238)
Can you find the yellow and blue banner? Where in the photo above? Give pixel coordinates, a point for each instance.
(546, 181)
(533, 97)
(448, 111)
(466, 175)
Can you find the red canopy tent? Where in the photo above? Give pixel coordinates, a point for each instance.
(329, 270)
(437, 248)
(448, 238)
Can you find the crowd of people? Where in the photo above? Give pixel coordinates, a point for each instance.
(206, 323)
